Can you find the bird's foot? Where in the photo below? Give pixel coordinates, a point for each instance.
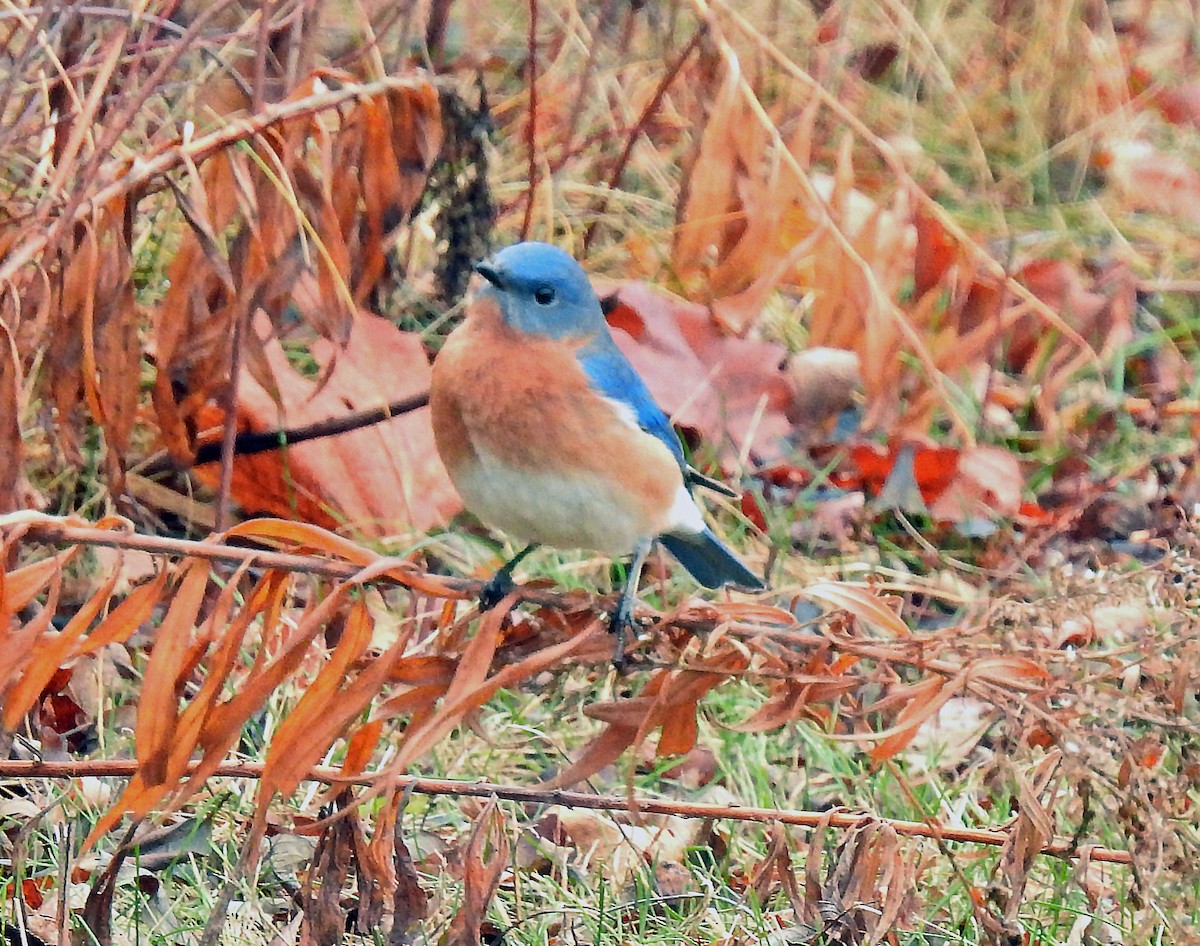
(621, 625)
(495, 589)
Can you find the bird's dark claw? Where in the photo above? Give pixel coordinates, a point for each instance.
(501, 583)
(495, 589)
(620, 626)
(622, 619)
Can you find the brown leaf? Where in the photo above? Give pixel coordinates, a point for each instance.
(128, 616)
(706, 196)
(777, 867)
(320, 898)
(330, 703)
(54, 653)
(471, 687)
(21, 644)
(865, 604)
(1018, 673)
(925, 699)
(158, 703)
(375, 481)
(410, 904)
(484, 861)
(23, 584)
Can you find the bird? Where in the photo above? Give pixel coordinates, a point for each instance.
(550, 435)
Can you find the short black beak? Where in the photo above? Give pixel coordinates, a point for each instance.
(488, 272)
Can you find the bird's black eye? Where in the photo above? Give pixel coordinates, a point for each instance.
(543, 295)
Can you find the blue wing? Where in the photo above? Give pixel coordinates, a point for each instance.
(611, 374)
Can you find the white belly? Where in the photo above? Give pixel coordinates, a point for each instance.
(580, 512)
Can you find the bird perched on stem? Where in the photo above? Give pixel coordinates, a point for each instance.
(550, 435)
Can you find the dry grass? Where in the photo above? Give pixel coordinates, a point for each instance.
(959, 193)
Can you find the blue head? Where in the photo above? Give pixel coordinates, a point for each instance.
(543, 291)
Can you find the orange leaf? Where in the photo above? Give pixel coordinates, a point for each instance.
(361, 746)
(54, 653)
(158, 705)
(298, 741)
(128, 616)
(927, 698)
(24, 584)
(21, 645)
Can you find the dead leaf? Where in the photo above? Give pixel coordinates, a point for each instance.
(158, 703)
(376, 481)
(865, 604)
(485, 859)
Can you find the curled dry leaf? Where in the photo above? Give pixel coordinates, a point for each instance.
(484, 861)
(868, 606)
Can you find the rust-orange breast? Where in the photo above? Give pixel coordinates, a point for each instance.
(526, 403)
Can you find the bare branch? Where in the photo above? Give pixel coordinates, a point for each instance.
(118, 768)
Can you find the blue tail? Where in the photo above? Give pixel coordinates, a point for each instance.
(709, 560)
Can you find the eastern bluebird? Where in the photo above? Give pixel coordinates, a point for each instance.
(550, 435)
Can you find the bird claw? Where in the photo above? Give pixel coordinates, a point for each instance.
(495, 589)
(621, 624)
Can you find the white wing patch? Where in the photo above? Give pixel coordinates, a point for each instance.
(685, 515)
(624, 411)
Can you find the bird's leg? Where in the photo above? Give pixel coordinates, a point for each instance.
(501, 583)
(622, 619)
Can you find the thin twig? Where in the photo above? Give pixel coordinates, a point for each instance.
(42, 528)
(229, 433)
(251, 442)
(531, 130)
(124, 768)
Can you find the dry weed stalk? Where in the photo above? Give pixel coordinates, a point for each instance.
(227, 648)
(120, 768)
